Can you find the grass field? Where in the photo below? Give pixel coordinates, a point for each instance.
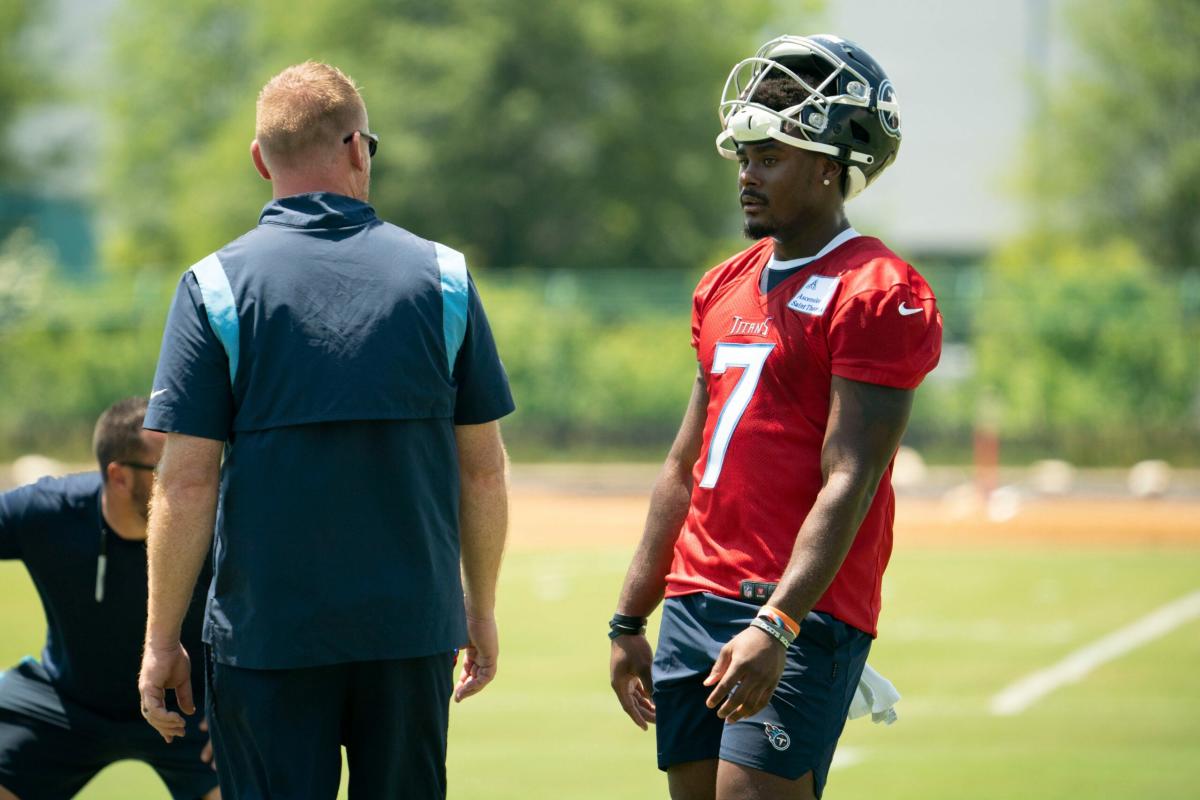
(969, 607)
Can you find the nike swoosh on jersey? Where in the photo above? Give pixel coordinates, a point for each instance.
(905, 311)
(156, 394)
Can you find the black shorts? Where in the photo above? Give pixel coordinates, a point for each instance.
(279, 732)
(797, 731)
(50, 746)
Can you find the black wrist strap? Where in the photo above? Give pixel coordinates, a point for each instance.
(623, 625)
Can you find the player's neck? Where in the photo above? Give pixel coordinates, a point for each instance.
(807, 239)
(122, 517)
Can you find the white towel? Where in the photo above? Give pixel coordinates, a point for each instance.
(876, 696)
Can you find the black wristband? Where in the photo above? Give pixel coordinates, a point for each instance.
(625, 625)
(626, 621)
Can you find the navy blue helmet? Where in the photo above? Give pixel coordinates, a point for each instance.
(849, 111)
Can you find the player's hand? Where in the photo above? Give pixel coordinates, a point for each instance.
(481, 654)
(166, 669)
(747, 671)
(206, 753)
(629, 669)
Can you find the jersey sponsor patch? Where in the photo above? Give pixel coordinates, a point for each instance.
(813, 298)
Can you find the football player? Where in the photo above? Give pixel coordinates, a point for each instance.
(770, 524)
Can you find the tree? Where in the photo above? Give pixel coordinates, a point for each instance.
(1119, 156)
(546, 134)
(16, 76)
(1088, 354)
(181, 76)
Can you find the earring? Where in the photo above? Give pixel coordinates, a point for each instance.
(827, 181)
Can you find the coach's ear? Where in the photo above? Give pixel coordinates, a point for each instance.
(116, 475)
(259, 164)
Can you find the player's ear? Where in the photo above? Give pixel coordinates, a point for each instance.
(259, 163)
(831, 171)
(833, 176)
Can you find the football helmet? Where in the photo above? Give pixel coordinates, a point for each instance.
(849, 112)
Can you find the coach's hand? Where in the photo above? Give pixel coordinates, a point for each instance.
(747, 671)
(480, 657)
(163, 669)
(629, 669)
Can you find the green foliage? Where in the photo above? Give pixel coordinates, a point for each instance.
(1117, 154)
(18, 85)
(557, 135)
(582, 382)
(182, 76)
(68, 359)
(25, 267)
(1089, 352)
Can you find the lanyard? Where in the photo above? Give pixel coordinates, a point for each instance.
(102, 559)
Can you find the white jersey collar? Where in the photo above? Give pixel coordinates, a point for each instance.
(834, 243)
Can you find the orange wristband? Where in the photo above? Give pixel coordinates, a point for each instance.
(785, 621)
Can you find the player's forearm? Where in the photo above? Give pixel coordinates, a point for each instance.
(646, 578)
(483, 520)
(179, 539)
(825, 539)
(865, 425)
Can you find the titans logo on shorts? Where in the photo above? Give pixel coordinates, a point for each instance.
(796, 732)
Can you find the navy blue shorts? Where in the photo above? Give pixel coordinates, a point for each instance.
(50, 746)
(279, 732)
(797, 731)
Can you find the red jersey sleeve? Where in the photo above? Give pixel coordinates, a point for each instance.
(697, 312)
(890, 335)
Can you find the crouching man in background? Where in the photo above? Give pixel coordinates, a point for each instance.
(82, 538)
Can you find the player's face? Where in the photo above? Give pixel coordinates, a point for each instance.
(777, 188)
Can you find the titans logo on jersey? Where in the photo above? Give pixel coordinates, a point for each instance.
(858, 312)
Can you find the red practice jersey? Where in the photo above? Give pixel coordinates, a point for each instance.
(858, 312)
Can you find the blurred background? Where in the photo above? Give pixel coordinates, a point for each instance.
(1048, 187)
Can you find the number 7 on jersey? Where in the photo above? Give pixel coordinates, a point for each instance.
(751, 358)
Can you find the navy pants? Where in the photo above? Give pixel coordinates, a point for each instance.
(278, 734)
(51, 746)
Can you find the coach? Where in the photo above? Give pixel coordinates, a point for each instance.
(329, 387)
(65, 718)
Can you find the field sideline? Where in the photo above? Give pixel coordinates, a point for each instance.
(970, 606)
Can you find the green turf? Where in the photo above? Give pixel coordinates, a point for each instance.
(958, 626)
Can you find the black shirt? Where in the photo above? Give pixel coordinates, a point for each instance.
(93, 647)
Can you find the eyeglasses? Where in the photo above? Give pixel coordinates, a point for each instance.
(372, 141)
(138, 465)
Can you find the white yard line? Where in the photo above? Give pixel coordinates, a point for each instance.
(1075, 667)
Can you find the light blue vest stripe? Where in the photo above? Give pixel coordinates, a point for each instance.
(220, 307)
(453, 268)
